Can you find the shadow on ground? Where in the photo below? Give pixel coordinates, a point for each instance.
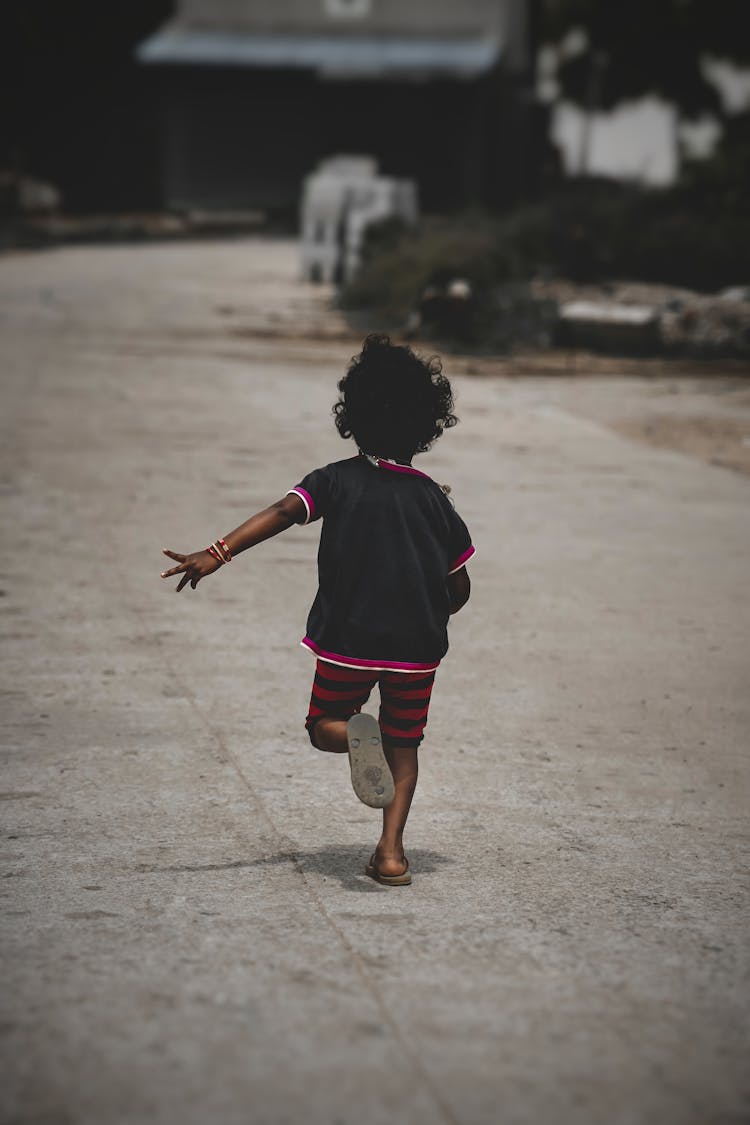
(345, 862)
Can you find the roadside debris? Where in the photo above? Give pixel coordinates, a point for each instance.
(632, 318)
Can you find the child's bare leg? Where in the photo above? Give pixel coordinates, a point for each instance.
(390, 850)
(330, 734)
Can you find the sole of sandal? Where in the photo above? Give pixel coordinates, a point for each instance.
(372, 780)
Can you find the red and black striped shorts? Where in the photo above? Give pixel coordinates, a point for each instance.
(404, 699)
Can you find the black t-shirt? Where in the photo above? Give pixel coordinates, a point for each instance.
(389, 540)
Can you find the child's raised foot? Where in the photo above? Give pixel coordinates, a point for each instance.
(372, 780)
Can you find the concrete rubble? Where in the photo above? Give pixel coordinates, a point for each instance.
(639, 318)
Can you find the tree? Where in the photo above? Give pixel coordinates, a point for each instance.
(645, 47)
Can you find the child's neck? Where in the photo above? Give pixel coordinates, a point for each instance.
(393, 460)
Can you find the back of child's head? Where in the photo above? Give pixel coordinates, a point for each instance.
(393, 402)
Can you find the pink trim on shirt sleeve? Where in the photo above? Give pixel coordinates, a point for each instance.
(306, 499)
(464, 558)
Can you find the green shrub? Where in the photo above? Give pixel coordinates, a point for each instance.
(398, 267)
(587, 230)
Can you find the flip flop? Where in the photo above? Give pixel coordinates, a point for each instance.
(402, 880)
(372, 780)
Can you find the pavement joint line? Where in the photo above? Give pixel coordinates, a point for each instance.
(283, 843)
(192, 868)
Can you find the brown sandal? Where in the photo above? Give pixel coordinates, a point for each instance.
(402, 880)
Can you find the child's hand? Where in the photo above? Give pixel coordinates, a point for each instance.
(192, 567)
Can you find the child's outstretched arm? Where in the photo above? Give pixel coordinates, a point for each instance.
(263, 525)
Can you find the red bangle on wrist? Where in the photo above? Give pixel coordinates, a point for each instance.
(220, 551)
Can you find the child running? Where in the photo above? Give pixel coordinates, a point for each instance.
(391, 570)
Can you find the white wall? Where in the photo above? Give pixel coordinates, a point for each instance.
(636, 141)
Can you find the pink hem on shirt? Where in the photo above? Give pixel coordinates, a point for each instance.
(373, 665)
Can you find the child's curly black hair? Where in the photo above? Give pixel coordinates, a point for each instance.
(393, 402)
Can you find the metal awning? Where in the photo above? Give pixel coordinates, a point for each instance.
(339, 57)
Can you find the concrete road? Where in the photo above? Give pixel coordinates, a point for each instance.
(188, 937)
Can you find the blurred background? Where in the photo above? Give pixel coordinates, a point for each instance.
(546, 146)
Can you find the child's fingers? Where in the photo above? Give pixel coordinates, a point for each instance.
(174, 570)
(173, 554)
(183, 582)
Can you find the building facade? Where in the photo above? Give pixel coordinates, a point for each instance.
(254, 93)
